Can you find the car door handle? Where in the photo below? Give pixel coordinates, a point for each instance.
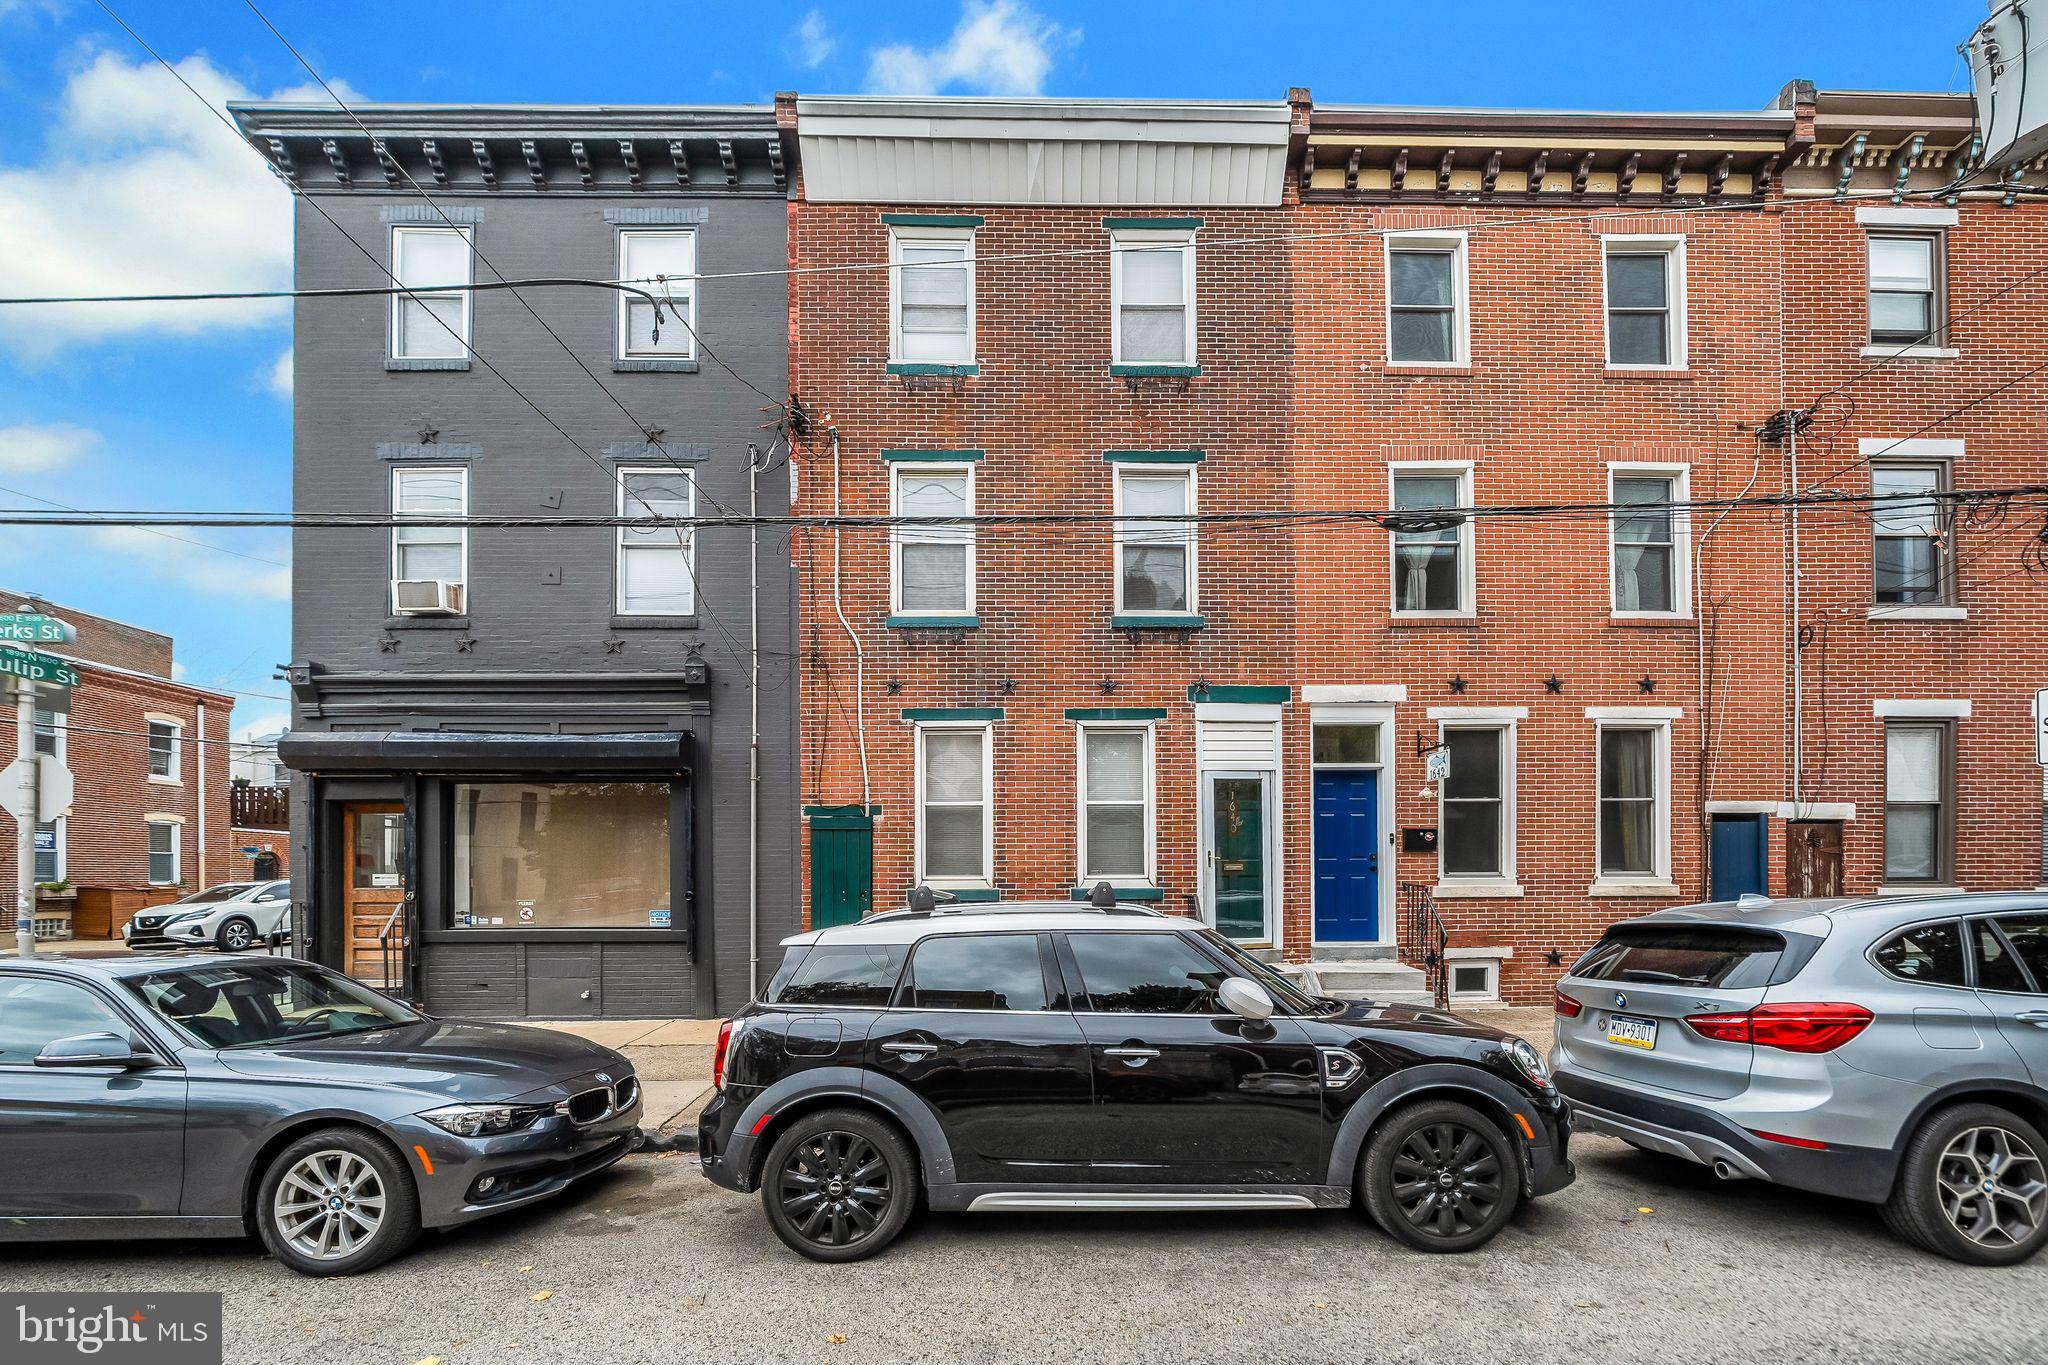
(913, 1052)
(2038, 1018)
(1137, 1056)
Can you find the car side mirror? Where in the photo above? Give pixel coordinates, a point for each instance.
(95, 1049)
(1245, 999)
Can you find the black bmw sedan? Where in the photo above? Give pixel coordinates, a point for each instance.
(1063, 1057)
(194, 1097)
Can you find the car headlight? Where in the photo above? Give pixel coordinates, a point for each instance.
(184, 917)
(485, 1120)
(1529, 1062)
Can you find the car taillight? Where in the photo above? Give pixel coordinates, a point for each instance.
(718, 1057)
(1566, 1005)
(1789, 1028)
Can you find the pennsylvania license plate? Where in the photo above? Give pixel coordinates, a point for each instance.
(1630, 1031)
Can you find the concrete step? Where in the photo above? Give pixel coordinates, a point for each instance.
(1355, 952)
(1384, 979)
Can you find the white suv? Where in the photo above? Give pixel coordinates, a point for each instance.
(234, 917)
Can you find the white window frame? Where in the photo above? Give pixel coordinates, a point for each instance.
(62, 827)
(1190, 537)
(1122, 239)
(1658, 721)
(1681, 538)
(176, 826)
(1676, 325)
(1461, 301)
(1490, 964)
(687, 535)
(1083, 729)
(175, 777)
(399, 234)
(900, 535)
(1507, 720)
(987, 731)
(460, 533)
(901, 237)
(1468, 570)
(58, 729)
(683, 296)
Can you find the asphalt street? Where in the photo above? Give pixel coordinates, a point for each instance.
(1643, 1259)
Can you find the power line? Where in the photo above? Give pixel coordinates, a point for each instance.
(182, 540)
(339, 292)
(1926, 427)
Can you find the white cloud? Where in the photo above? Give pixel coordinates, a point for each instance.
(196, 566)
(31, 449)
(999, 47)
(811, 43)
(143, 191)
(267, 724)
(279, 377)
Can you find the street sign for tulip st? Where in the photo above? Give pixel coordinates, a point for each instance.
(30, 666)
(29, 628)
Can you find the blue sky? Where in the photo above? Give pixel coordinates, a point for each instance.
(111, 176)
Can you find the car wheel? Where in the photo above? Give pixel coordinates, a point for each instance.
(235, 936)
(839, 1185)
(337, 1202)
(1973, 1186)
(1440, 1176)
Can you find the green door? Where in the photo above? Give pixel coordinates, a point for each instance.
(842, 866)
(1237, 842)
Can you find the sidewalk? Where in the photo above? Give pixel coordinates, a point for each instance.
(672, 1057)
(69, 947)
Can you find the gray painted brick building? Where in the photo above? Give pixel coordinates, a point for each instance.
(521, 754)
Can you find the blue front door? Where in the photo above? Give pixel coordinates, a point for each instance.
(1739, 861)
(1347, 856)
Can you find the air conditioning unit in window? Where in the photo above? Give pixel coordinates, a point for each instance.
(427, 597)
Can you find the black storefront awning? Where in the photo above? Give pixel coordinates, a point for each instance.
(449, 751)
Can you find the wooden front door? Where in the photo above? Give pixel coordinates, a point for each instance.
(1813, 858)
(373, 888)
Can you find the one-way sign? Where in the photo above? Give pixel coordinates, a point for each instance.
(36, 668)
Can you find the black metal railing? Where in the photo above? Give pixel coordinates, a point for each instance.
(1424, 941)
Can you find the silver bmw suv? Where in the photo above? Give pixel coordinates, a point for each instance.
(1890, 1050)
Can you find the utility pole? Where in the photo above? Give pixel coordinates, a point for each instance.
(1798, 646)
(25, 827)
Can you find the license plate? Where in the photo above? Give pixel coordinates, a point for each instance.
(1629, 1031)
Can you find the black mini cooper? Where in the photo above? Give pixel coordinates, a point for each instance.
(1104, 1056)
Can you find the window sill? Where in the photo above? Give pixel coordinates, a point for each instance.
(1427, 368)
(1404, 620)
(621, 621)
(1885, 351)
(1478, 890)
(159, 780)
(933, 623)
(1918, 890)
(966, 370)
(655, 365)
(977, 891)
(398, 364)
(1135, 621)
(1154, 371)
(426, 622)
(1666, 890)
(1903, 613)
(1639, 619)
(1123, 893)
(1671, 372)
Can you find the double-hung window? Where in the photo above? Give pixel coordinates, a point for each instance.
(1635, 802)
(1426, 292)
(1116, 804)
(1910, 564)
(1650, 540)
(931, 296)
(934, 560)
(662, 262)
(1152, 290)
(49, 851)
(166, 742)
(1919, 806)
(657, 570)
(1905, 289)
(1645, 285)
(1478, 821)
(1432, 545)
(429, 564)
(431, 320)
(49, 734)
(163, 852)
(1155, 559)
(955, 838)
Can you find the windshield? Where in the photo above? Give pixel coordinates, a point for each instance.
(251, 1004)
(1277, 986)
(215, 893)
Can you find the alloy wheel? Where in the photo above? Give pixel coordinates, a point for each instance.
(329, 1204)
(835, 1188)
(1447, 1180)
(1993, 1187)
(237, 936)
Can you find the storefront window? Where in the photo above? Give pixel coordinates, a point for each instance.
(561, 855)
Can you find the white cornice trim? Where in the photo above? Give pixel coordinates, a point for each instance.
(1928, 708)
